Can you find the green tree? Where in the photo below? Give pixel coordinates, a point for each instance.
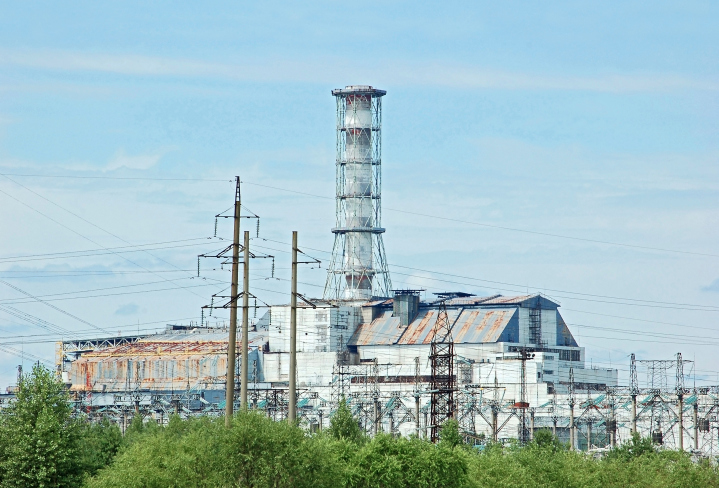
(344, 426)
(99, 444)
(389, 462)
(637, 446)
(38, 437)
(544, 439)
(449, 435)
(254, 452)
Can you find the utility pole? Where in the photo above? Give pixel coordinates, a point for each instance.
(245, 323)
(416, 394)
(680, 398)
(523, 405)
(634, 390)
(696, 420)
(531, 424)
(230, 382)
(292, 415)
(554, 413)
(375, 397)
(495, 409)
(612, 421)
(572, 433)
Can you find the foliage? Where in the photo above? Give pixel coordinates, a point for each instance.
(41, 445)
(449, 435)
(99, 444)
(389, 462)
(344, 426)
(544, 439)
(253, 452)
(38, 438)
(636, 447)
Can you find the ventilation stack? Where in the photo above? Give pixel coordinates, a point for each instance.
(358, 268)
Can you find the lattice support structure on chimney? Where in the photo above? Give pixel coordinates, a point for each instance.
(358, 267)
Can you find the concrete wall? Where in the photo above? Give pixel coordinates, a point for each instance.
(324, 329)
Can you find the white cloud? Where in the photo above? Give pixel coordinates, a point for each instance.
(127, 309)
(714, 286)
(327, 69)
(139, 161)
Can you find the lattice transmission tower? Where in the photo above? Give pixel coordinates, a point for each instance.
(358, 267)
(442, 381)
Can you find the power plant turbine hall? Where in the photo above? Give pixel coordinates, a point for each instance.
(358, 268)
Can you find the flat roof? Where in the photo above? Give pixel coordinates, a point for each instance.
(359, 90)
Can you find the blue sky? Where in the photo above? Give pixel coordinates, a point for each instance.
(593, 120)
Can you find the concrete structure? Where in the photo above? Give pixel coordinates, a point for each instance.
(376, 352)
(359, 342)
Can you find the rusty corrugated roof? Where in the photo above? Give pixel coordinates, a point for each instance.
(469, 325)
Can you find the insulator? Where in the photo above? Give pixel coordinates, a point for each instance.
(198, 265)
(273, 266)
(258, 227)
(215, 226)
(212, 305)
(255, 308)
(202, 317)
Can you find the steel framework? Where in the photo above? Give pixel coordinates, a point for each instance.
(442, 382)
(358, 268)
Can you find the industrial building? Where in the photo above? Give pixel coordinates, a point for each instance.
(516, 365)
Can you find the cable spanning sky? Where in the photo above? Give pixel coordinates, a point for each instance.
(570, 149)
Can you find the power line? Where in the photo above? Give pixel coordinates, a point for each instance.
(85, 237)
(88, 252)
(50, 274)
(36, 321)
(408, 212)
(86, 331)
(144, 178)
(621, 300)
(44, 302)
(501, 227)
(104, 295)
(707, 308)
(104, 288)
(70, 255)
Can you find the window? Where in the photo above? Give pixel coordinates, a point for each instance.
(569, 355)
(548, 371)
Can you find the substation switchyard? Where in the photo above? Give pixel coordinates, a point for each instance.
(503, 367)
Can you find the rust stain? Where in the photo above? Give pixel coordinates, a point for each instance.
(361, 332)
(430, 334)
(417, 332)
(483, 323)
(492, 334)
(151, 348)
(470, 320)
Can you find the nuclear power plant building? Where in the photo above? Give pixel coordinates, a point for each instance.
(363, 340)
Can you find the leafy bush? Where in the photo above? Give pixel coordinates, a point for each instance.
(41, 445)
(344, 426)
(39, 440)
